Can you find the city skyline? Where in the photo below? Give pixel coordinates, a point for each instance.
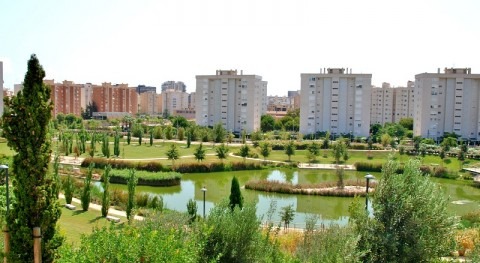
(152, 42)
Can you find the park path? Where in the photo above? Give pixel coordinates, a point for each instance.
(97, 207)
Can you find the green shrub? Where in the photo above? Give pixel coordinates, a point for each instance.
(368, 167)
(142, 199)
(68, 184)
(146, 178)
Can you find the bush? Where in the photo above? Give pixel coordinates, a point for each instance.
(368, 167)
(146, 178)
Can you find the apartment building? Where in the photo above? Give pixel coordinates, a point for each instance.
(66, 97)
(403, 102)
(172, 85)
(381, 110)
(115, 98)
(147, 103)
(142, 88)
(1, 86)
(335, 100)
(294, 95)
(447, 102)
(235, 100)
(278, 106)
(173, 100)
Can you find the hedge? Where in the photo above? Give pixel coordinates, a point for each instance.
(119, 176)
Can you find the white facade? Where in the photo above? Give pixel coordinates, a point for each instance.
(173, 100)
(335, 101)
(381, 110)
(1, 86)
(447, 102)
(404, 98)
(236, 101)
(87, 95)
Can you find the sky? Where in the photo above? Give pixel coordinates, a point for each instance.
(150, 42)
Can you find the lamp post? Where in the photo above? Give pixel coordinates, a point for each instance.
(368, 177)
(4, 167)
(204, 190)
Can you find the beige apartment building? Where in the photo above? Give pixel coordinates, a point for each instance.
(235, 100)
(278, 106)
(447, 102)
(335, 100)
(403, 103)
(174, 100)
(147, 103)
(115, 98)
(66, 97)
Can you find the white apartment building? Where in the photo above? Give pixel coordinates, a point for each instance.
(381, 110)
(337, 101)
(173, 100)
(1, 86)
(403, 102)
(236, 101)
(147, 103)
(447, 102)
(87, 95)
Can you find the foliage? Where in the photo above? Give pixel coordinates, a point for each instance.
(265, 150)
(199, 153)
(105, 146)
(407, 123)
(244, 151)
(236, 198)
(106, 190)
(267, 123)
(116, 145)
(121, 176)
(368, 167)
(243, 134)
(192, 208)
(313, 151)
(25, 126)
(386, 139)
(219, 133)
(340, 175)
(326, 141)
(329, 244)
(132, 185)
(222, 151)
(290, 149)
(411, 223)
(173, 154)
(159, 238)
(68, 188)
(339, 149)
(287, 214)
(86, 193)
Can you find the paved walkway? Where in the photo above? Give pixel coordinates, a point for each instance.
(111, 211)
(328, 166)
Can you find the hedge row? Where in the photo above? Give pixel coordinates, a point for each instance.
(152, 166)
(146, 178)
(216, 167)
(368, 167)
(324, 189)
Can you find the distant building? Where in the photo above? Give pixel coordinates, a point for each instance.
(381, 110)
(336, 101)
(447, 102)
(115, 98)
(66, 97)
(172, 85)
(403, 104)
(279, 106)
(147, 103)
(17, 88)
(236, 101)
(142, 88)
(174, 100)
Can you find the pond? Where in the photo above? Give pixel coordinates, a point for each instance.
(463, 197)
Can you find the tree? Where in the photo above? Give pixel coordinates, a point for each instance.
(116, 145)
(411, 222)
(290, 149)
(129, 137)
(180, 134)
(236, 198)
(448, 142)
(243, 134)
(326, 141)
(219, 133)
(244, 151)
(313, 151)
(85, 198)
(416, 143)
(140, 135)
(172, 153)
(386, 139)
(338, 150)
(189, 137)
(265, 150)
(192, 208)
(199, 153)
(340, 175)
(267, 123)
(93, 144)
(222, 151)
(407, 123)
(132, 185)
(287, 215)
(151, 137)
(105, 146)
(106, 191)
(25, 126)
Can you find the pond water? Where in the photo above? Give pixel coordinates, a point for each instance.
(463, 197)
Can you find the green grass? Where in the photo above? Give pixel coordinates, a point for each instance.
(74, 223)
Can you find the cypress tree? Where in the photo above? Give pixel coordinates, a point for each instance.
(132, 185)
(116, 145)
(129, 137)
(106, 193)
(25, 126)
(236, 197)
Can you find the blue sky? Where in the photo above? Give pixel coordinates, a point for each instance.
(149, 42)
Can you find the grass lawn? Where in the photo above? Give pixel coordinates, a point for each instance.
(74, 223)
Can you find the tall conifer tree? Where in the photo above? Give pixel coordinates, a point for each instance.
(25, 126)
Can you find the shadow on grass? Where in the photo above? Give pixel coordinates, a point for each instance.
(78, 212)
(95, 219)
(447, 161)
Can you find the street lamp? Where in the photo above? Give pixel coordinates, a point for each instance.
(4, 167)
(368, 177)
(204, 190)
